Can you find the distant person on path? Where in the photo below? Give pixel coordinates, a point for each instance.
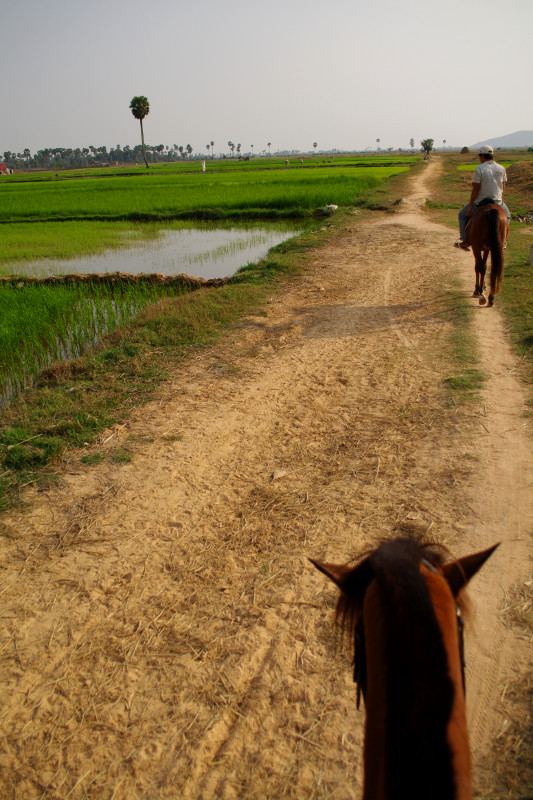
(488, 184)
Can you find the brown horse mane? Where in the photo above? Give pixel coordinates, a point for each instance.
(348, 612)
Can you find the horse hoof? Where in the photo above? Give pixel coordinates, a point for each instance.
(491, 300)
(476, 293)
(482, 300)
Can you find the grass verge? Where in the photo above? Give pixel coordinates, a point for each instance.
(466, 380)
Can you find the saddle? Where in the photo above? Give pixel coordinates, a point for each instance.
(486, 201)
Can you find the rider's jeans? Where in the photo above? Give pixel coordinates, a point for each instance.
(463, 219)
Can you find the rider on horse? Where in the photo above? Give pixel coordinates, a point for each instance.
(487, 185)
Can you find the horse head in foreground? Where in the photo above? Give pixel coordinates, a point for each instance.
(402, 605)
(487, 233)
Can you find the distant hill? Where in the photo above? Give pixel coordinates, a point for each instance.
(518, 139)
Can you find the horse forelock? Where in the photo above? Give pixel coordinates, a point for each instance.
(370, 564)
(395, 564)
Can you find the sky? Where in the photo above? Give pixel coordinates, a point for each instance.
(341, 73)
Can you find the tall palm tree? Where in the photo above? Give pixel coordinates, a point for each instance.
(140, 107)
(212, 149)
(269, 145)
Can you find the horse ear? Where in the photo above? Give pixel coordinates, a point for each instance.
(338, 573)
(351, 580)
(459, 572)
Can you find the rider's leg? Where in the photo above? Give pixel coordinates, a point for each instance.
(508, 220)
(507, 212)
(463, 219)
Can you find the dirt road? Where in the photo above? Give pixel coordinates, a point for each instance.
(163, 634)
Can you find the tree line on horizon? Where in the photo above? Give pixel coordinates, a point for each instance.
(60, 157)
(64, 157)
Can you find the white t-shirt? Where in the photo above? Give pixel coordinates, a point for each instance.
(491, 177)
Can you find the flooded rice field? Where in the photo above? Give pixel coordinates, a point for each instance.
(206, 251)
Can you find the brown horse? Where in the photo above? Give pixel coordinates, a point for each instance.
(487, 233)
(402, 606)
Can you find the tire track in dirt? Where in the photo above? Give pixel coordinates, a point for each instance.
(163, 633)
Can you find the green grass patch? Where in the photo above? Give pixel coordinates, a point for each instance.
(472, 167)
(467, 380)
(92, 458)
(516, 299)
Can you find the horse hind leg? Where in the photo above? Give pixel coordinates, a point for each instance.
(482, 299)
(481, 268)
(478, 288)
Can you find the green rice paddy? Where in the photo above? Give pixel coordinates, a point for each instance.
(163, 196)
(41, 323)
(472, 167)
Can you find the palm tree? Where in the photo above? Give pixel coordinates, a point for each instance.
(208, 146)
(269, 145)
(140, 107)
(412, 142)
(252, 150)
(212, 149)
(377, 142)
(189, 150)
(315, 145)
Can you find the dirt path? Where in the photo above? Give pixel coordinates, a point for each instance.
(163, 634)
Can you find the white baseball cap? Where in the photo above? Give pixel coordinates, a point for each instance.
(485, 148)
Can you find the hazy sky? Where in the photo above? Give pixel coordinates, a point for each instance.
(340, 72)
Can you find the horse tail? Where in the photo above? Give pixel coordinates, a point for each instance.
(496, 250)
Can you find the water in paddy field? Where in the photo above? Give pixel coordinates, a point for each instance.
(204, 252)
